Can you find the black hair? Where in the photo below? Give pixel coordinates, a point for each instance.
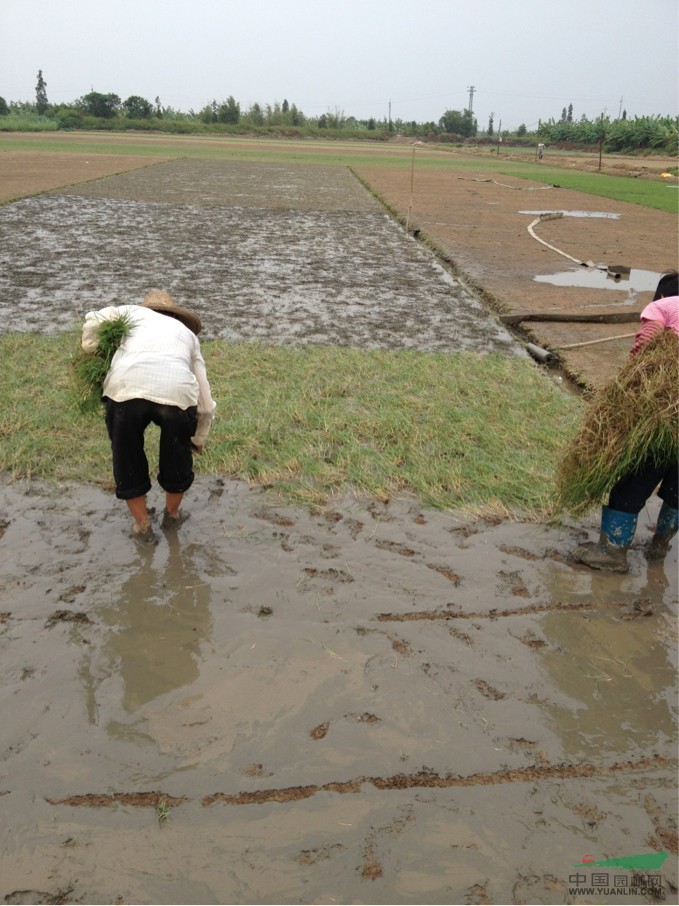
(668, 285)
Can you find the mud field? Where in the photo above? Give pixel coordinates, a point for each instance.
(365, 703)
(479, 220)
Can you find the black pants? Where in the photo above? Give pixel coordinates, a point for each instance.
(126, 423)
(631, 493)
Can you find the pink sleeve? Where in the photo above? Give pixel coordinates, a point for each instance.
(664, 310)
(645, 333)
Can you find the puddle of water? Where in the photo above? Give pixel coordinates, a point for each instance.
(160, 620)
(602, 214)
(619, 679)
(637, 281)
(617, 666)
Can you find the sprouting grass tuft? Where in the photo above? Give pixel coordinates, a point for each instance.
(90, 370)
(467, 431)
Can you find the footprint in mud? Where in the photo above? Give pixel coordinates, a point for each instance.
(216, 490)
(285, 543)
(540, 889)
(511, 582)
(447, 572)
(69, 596)
(477, 894)
(355, 527)
(371, 869)
(68, 616)
(395, 547)
(321, 731)
(331, 574)
(489, 691)
(665, 827)
(330, 551)
(256, 770)
(273, 517)
(312, 856)
(531, 641)
(549, 554)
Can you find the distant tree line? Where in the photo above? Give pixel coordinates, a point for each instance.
(97, 110)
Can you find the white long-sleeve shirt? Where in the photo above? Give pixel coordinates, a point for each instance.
(159, 360)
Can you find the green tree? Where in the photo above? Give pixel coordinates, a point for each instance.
(296, 116)
(4, 109)
(105, 106)
(490, 124)
(41, 102)
(522, 129)
(456, 122)
(229, 111)
(255, 115)
(137, 108)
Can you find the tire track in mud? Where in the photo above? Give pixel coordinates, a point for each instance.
(420, 779)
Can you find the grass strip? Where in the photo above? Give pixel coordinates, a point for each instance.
(468, 431)
(634, 416)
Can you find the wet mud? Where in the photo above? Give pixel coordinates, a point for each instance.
(369, 702)
(260, 252)
(275, 704)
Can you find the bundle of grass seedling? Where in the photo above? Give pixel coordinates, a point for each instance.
(633, 417)
(90, 369)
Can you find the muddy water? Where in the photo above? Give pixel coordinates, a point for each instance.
(370, 702)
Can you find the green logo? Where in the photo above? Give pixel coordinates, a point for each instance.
(647, 862)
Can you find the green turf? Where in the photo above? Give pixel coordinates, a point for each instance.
(480, 433)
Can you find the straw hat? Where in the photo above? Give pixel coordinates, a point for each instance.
(157, 300)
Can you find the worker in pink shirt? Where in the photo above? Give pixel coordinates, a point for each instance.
(629, 495)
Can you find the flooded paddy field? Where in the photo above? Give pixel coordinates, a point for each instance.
(274, 254)
(364, 702)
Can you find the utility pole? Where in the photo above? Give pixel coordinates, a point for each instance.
(620, 110)
(390, 116)
(471, 89)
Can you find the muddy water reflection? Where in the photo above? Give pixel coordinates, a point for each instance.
(159, 622)
(617, 665)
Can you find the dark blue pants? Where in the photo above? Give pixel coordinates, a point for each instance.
(126, 423)
(631, 493)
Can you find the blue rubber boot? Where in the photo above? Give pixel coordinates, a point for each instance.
(610, 551)
(665, 529)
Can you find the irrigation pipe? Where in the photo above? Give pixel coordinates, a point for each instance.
(556, 215)
(507, 186)
(547, 357)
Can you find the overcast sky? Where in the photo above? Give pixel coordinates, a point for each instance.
(526, 59)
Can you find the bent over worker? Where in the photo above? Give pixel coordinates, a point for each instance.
(629, 495)
(157, 375)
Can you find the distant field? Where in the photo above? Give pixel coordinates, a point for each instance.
(574, 171)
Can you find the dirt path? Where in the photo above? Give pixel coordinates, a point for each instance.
(366, 703)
